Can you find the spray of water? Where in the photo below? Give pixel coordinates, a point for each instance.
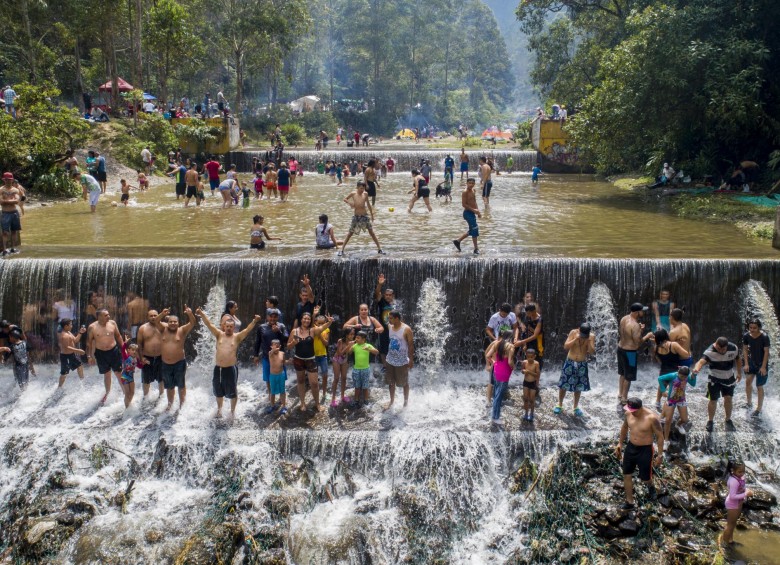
(205, 345)
(756, 303)
(432, 330)
(603, 321)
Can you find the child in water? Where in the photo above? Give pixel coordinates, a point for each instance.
(259, 184)
(125, 188)
(277, 378)
(143, 182)
(734, 499)
(22, 364)
(531, 371)
(676, 384)
(361, 373)
(130, 361)
(501, 356)
(69, 350)
(245, 195)
(340, 366)
(257, 233)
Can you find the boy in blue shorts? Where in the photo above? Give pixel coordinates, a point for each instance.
(361, 373)
(278, 377)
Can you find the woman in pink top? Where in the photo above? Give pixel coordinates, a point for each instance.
(734, 499)
(293, 166)
(501, 354)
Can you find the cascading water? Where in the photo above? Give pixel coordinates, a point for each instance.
(601, 316)
(432, 327)
(405, 160)
(756, 303)
(213, 308)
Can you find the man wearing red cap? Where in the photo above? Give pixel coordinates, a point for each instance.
(10, 221)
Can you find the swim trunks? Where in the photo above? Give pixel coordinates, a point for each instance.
(180, 189)
(10, 221)
(471, 219)
(487, 188)
(464, 166)
(638, 456)
(277, 383)
(152, 370)
(192, 191)
(574, 376)
(627, 364)
(284, 188)
(423, 192)
(360, 377)
(360, 224)
(371, 188)
(110, 360)
(214, 184)
(260, 245)
(124, 198)
(225, 382)
(173, 375)
(720, 387)
(398, 376)
(68, 362)
(531, 385)
(308, 365)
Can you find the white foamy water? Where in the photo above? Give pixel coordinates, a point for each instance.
(432, 329)
(602, 317)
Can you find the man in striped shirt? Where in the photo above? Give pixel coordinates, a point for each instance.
(722, 358)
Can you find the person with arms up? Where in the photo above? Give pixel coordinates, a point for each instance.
(174, 364)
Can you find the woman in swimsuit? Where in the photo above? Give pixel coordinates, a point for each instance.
(341, 366)
(231, 309)
(258, 232)
(419, 190)
(302, 342)
(365, 322)
(669, 354)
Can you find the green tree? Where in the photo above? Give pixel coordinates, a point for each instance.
(169, 36)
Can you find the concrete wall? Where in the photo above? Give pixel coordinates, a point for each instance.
(228, 140)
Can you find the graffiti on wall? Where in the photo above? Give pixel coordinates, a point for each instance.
(563, 153)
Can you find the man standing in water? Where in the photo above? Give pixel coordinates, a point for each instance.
(470, 213)
(149, 348)
(225, 378)
(642, 424)
(358, 201)
(174, 365)
(103, 343)
(11, 224)
(580, 343)
(755, 355)
(629, 340)
(369, 175)
(400, 357)
(722, 357)
(384, 304)
(485, 173)
(464, 164)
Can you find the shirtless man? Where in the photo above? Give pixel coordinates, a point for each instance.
(464, 164)
(137, 308)
(580, 343)
(191, 179)
(629, 339)
(174, 365)
(369, 175)
(486, 182)
(225, 379)
(103, 343)
(149, 348)
(642, 424)
(470, 213)
(680, 333)
(358, 201)
(69, 349)
(11, 223)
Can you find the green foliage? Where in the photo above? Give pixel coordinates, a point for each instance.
(523, 134)
(686, 82)
(314, 122)
(41, 136)
(198, 132)
(293, 134)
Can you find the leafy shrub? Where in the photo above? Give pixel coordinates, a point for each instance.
(56, 182)
(293, 134)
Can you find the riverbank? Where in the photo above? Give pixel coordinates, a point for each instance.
(753, 220)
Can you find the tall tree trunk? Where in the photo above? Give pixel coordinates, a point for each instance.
(25, 8)
(79, 80)
(446, 79)
(239, 80)
(137, 54)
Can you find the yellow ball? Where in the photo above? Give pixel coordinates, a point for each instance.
(391, 209)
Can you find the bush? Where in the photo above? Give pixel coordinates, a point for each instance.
(314, 122)
(157, 132)
(473, 142)
(293, 134)
(56, 182)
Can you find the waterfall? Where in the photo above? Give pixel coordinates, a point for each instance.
(708, 288)
(405, 160)
(756, 303)
(206, 343)
(603, 321)
(432, 327)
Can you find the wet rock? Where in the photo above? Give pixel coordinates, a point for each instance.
(563, 533)
(706, 472)
(683, 500)
(670, 522)
(665, 501)
(629, 527)
(278, 506)
(607, 530)
(66, 518)
(272, 557)
(761, 500)
(57, 480)
(81, 506)
(154, 536)
(566, 556)
(38, 530)
(214, 545)
(757, 516)
(616, 515)
(270, 536)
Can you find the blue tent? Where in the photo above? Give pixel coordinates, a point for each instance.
(148, 96)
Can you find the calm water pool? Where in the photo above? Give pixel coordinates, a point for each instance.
(562, 216)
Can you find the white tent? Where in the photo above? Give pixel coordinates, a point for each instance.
(305, 103)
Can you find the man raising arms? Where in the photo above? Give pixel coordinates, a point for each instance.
(225, 379)
(103, 343)
(174, 365)
(149, 348)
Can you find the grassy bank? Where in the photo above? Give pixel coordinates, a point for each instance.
(755, 221)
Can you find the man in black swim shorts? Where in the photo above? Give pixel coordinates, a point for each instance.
(642, 424)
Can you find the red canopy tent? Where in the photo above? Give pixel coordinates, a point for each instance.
(122, 86)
